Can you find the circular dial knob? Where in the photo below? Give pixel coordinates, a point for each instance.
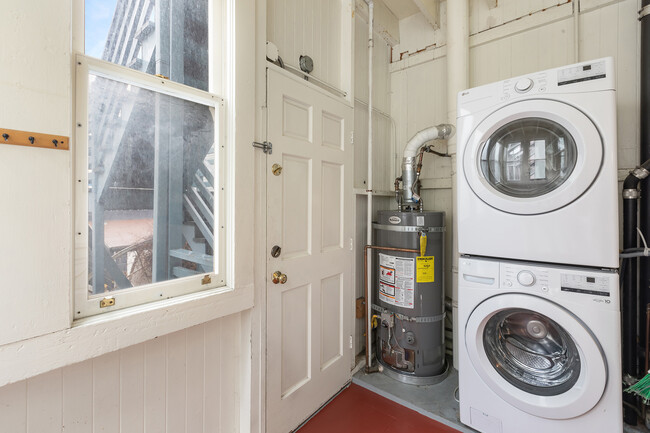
(526, 278)
(524, 85)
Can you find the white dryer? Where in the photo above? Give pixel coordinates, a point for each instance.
(539, 348)
(537, 167)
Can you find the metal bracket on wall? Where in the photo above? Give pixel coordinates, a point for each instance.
(267, 146)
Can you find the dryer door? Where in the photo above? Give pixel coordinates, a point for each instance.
(536, 355)
(533, 156)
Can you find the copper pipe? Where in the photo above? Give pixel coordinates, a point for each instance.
(367, 291)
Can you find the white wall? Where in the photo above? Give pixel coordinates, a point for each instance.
(315, 28)
(191, 380)
(183, 382)
(383, 145)
(515, 38)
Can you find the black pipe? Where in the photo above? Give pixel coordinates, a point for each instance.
(644, 203)
(643, 282)
(630, 290)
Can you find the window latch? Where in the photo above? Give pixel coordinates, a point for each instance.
(267, 146)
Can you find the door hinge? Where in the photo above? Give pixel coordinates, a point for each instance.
(350, 342)
(267, 146)
(351, 137)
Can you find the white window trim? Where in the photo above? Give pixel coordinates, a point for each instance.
(92, 337)
(85, 305)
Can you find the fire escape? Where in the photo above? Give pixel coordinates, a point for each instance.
(151, 156)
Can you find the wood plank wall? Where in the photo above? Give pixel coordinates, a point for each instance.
(187, 381)
(308, 27)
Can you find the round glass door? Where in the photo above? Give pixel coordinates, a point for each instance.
(532, 157)
(536, 355)
(531, 352)
(528, 157)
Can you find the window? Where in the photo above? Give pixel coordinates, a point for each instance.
(149, 155)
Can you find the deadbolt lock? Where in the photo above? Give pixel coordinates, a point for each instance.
(279, 277)
(275, 251)
(276, 169)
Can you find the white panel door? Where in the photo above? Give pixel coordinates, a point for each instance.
(309, 216)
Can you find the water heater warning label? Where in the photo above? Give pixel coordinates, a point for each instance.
(426, 269)
(396, 280)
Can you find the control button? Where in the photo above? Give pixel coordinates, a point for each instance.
(508, 283)
(544, 289)
(524, 85)
(526, 278)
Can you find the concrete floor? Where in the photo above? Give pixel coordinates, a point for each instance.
(434, 401)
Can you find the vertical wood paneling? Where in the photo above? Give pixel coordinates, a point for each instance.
(13, 407)
(187, 382)
(228, 367)
(78, 397)
(132, 389)
(309, 27)
(44, 403)
(195, 361)
(106, 393)
(155, 375)
(213, 385)
(176, 381)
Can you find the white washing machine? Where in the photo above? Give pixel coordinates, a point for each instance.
(539, 348)
(537, 167)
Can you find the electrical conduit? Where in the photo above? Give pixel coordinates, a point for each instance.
(371, 43)
(457, 81)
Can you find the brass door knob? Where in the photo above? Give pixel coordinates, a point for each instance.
(279, 277)
(276, 169)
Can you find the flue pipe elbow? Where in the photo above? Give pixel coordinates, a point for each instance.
(439, 132)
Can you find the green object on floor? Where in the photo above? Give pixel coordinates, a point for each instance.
(641, 388)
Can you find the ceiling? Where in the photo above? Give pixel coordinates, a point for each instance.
(402, 8)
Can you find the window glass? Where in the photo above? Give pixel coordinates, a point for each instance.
(151, 182)
(532, 352)
(528, 157)
(162, 37)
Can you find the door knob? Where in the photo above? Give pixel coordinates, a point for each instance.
(279, 277)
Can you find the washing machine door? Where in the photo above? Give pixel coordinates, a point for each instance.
(536, 355)
(533, 156)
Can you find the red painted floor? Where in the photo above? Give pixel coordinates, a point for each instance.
(357, 410)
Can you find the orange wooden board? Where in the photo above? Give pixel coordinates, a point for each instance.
(34, 139)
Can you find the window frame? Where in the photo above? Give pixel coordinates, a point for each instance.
(87, 305)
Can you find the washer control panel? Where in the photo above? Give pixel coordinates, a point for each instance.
(526, 278)
(523, 277)
(542, 280)
(587, 284)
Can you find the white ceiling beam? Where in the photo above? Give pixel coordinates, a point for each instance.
(386, 23)
(431, 11)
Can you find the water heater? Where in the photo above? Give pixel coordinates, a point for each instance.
(408, 307)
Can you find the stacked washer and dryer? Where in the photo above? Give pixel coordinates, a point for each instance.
(538, 299)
